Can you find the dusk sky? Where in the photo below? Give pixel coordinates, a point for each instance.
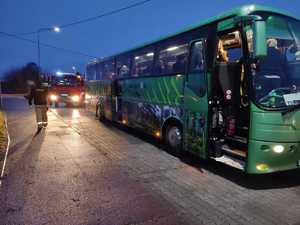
(101, 37)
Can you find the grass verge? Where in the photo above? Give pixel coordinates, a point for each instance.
(3, 136)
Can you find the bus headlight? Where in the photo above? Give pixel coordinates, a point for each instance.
(75, 98)
(53, 97)
(278, 149)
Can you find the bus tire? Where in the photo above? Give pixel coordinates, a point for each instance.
(173, 137)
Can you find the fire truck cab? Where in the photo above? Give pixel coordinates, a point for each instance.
(68, 89)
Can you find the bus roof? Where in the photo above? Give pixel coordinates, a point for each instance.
(239, 11)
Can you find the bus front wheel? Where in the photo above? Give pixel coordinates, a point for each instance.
(173, 138)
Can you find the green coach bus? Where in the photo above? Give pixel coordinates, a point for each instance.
(227, 89)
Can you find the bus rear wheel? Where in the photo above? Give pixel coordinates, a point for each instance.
(173, 138)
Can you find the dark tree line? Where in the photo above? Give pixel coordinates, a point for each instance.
(17, 80)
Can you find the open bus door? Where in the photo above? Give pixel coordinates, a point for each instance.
(195, 102)
(116, 101)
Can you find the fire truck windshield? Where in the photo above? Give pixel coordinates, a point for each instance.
(68, 80)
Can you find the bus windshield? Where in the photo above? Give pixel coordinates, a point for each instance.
(68, 80)
(276, 78)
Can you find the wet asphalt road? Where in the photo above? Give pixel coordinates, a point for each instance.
(80, 171)
(56, 177)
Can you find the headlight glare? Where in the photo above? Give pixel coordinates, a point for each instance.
(75, 98)
(53, 97)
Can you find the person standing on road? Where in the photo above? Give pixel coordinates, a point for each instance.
(39, 95)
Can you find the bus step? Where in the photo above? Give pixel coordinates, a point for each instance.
(238, 139)
(234, 152)
(236, 163)
(243, 128)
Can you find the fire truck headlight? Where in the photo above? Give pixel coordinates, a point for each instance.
(75, 98)
(53, 97)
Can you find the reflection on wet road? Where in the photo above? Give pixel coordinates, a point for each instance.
(202, 191)
(81, 171)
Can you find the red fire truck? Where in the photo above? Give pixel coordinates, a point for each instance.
(68, 89)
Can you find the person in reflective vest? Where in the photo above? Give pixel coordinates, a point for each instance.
(38, 96)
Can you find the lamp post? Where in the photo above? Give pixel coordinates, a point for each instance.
(51, 29)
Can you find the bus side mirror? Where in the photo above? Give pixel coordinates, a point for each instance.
(259, 39)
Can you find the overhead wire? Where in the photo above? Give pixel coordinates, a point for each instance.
(86, 20)
(89, 19)
(46, 45)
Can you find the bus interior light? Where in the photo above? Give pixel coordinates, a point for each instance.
(172, 48)
(150, 54)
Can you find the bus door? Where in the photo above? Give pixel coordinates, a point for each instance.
(116, 101)
(195, 101)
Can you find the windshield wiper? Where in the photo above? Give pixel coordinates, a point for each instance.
(291, 109)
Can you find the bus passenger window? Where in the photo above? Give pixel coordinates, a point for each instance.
(143, 64)
(197, 59)
(172, 59)
(91, 71)
(99, 71)
(123, 66)
(109, 70)
(196, 80)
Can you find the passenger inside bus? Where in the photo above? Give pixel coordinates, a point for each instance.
(274, 55)
(271, 70)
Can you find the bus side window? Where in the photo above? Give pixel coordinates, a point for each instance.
(123, 66)
(172, 59)
(197, 59)
(99, 71)
(143, 63)
(196, 78)
(109, 70)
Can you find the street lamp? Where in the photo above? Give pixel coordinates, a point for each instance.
(55, 29)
